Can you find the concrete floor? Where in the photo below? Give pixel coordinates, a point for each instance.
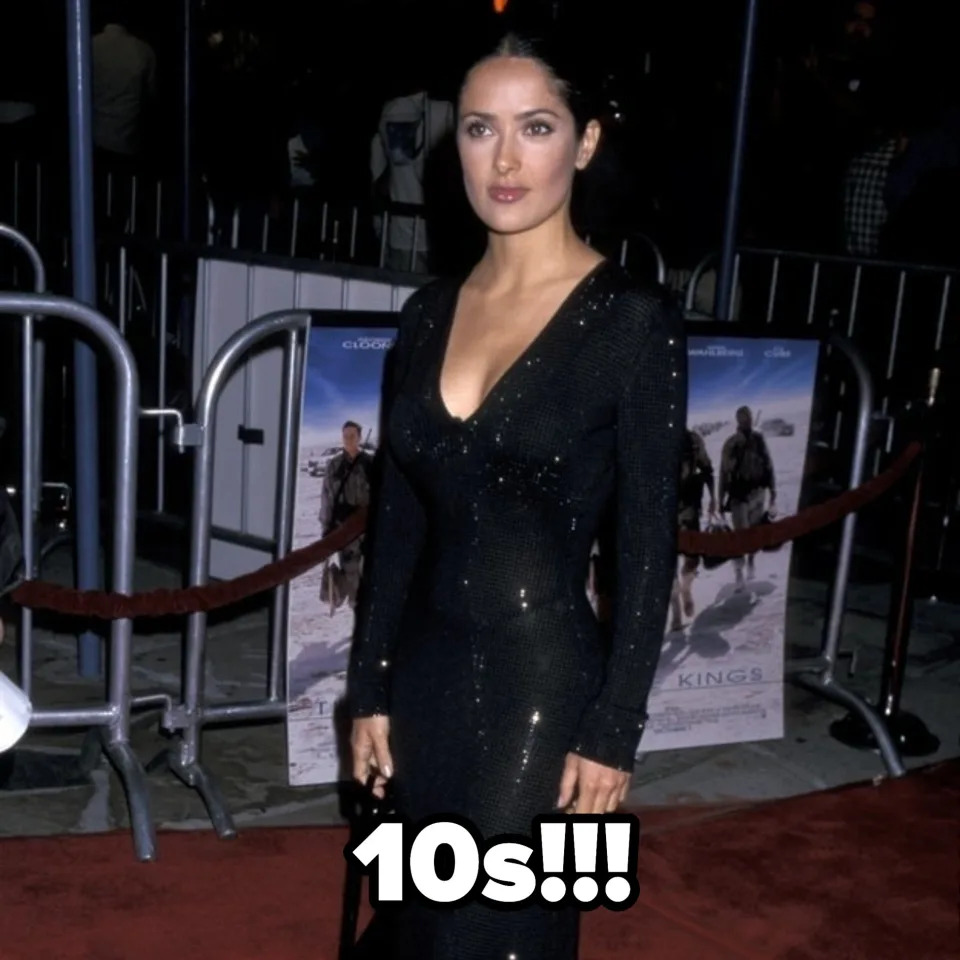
(250, 762)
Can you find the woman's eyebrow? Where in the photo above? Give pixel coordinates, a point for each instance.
(525, 115)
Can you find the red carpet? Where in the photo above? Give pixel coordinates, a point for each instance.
(864, 872)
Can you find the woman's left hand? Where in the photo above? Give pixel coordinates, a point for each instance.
(590, 787)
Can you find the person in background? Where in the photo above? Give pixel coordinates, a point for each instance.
(696, 475)
(411, 126)
(864, 207)
(124, 78)
(746, 479)
(923, 193)
(346, 488)
(889, 109)
(124, 89)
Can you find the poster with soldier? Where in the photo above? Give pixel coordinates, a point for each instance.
(338, 440)
(720, 678)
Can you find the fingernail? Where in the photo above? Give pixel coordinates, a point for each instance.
(388, 771)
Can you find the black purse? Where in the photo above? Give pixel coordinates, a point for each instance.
(364, 811)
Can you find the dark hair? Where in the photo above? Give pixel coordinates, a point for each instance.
(558, 59)
(356, 426)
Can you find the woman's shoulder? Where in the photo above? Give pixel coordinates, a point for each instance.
(636, 307)
(426, 303)
(423, 309)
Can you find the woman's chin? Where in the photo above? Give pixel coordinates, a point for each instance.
(508, 220)
(509, 223)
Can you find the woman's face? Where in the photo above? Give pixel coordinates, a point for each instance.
(518, 145)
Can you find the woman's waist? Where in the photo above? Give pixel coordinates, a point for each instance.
(472, 593)
(556, 646)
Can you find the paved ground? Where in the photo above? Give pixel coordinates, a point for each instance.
(250, 762)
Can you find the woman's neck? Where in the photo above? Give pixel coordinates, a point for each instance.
(519, 261)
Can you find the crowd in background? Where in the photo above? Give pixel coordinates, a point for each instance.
(854, 133)
(853, 145)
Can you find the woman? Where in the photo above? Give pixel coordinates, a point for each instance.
(522, 401)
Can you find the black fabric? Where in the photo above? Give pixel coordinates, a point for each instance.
(475, 632)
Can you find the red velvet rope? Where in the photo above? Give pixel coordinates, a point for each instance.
(99, 605)
(165, 602)
(737, 543)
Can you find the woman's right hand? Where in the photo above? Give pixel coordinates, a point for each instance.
(370, 745)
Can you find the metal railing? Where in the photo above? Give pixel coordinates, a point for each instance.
(836, 285)
(823, 666)
(305, 225)
(188, 718)
(113, 716)
(895, 313)
(31, 477)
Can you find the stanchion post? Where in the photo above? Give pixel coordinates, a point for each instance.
(838, 597)
(162, 321)
(293, 368)
(86, 419)
(726, 279)
(186, 154)
(825, 683)
(909, 732)
(693, 283)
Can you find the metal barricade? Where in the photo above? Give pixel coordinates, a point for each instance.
(162, 310)
(837, 285)
(24, 208)
(189, 716)
(32, 432)
(638, 251)
(905, 307)
(329, 229)
(640, 240)
(417, 253)
(113, 716)
(825, 683)
(706, 267)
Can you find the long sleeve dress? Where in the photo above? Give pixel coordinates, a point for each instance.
(475, 635)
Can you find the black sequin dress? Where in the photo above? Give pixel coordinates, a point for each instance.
(476, 635)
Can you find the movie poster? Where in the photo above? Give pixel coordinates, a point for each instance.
(720, 678)
(338, 438)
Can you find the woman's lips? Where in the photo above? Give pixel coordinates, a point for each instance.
(507, 194)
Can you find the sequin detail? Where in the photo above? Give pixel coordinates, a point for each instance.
(475, 634)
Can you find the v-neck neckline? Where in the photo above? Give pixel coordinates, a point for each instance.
(517, 362)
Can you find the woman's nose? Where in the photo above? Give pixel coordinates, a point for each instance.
(507, 159)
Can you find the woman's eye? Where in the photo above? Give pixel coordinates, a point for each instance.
(539, 129)
(476, 129)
